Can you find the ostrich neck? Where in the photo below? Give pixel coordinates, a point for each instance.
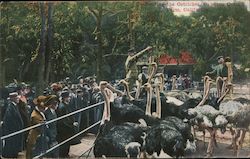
(149, 101)
(127, 92)
(206, 93)
(205, 84)
(152, 73)
(162, 83)
(138, 90)
(106, 113)
(158, 102)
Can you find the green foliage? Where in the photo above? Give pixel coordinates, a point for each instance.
(212, 31)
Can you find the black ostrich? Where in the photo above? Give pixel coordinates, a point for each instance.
(122, 140)
(123, 110)
(164, 137)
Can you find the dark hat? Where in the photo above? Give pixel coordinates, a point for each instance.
(65, 89)
(79, 90)
(219, 57)
(64, 94)
(50, 99)
(12, 91)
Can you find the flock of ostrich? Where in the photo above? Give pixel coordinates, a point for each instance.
(153, 123)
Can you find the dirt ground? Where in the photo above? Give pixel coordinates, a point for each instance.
(219, 152)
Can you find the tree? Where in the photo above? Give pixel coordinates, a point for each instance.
(49, 47)
(41, 66)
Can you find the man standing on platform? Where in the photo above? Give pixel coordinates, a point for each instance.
(221, 72)
(130, 65)
(12, 122)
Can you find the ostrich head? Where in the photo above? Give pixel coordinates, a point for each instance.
(159, 75)
(103, 85)
(125, 84)
(133, 149)
(153, 71)
(148, 88)
(106, 111)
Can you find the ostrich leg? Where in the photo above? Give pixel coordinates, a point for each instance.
(194, 131)
(232, 134)
(235, 138)
(210, 147)
(242, 137)
(215, 141)
(204, 138)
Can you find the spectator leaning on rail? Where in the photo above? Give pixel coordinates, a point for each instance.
(50, 114)
(221, 72)
(12, 122)
(37, 141)
(66, 127)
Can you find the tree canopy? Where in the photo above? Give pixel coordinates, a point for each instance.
(86, 38)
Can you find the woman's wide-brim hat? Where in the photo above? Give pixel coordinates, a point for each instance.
(39, 101)
(50, 99)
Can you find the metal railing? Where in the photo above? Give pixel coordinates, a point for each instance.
(67, 140)
(50, 121)
(56, 119)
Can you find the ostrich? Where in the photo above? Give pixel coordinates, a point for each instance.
(168, 126)
(208, 118)
(241, 120)
(176, 140)
(123, 111)
(123, 140)
(238, 116)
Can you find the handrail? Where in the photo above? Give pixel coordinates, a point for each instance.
(50, 121)
(59, 118)
(93, 143)
(63, 142)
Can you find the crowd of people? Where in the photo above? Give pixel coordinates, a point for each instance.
(182, 82)
(21, 109)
